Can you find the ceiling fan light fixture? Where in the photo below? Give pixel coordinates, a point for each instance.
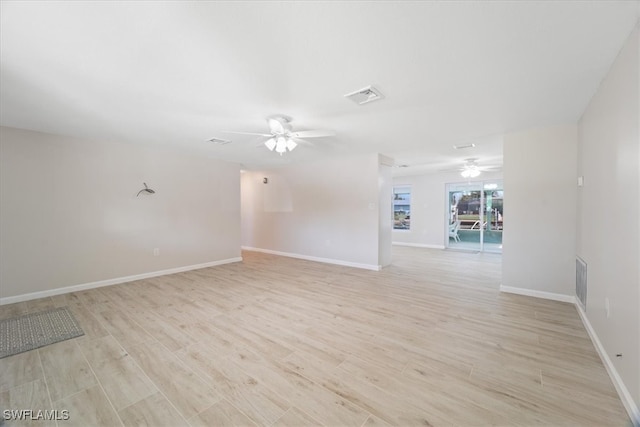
(470, 172)
(281, 145)
(270, 143)
(291, 144)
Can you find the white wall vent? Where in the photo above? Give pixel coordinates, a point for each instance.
(365, 95)
(581, 282)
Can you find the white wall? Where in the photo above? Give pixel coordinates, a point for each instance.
(538, 243)
(326, 209)
(385, 210)
(608, 212)
(429, 207)
(69, 214)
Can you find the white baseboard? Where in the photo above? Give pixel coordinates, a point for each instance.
(538, 294)
(109, 282)
(623, 392)
(418, 245)
(316, 259)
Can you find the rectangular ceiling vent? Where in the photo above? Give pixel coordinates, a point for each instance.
(219, 141)
(365, 95)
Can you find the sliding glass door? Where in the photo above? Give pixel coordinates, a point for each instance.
(475, 215)
(465, 211)
(494, 213)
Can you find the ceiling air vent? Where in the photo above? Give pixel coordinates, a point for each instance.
(220, 141)
(462, 147)
(365, 95)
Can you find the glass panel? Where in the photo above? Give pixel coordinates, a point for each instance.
(401, 208)
(494, 214)
(465, 216)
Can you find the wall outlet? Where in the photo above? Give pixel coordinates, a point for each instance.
(156, 251)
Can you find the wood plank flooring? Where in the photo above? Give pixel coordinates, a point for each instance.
(274, 341)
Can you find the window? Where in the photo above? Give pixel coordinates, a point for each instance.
(401, 208)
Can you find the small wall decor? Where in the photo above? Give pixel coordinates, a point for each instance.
(145, 190)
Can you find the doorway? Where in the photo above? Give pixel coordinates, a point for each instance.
(475, 216)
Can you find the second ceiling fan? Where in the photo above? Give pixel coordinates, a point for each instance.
(471, 168)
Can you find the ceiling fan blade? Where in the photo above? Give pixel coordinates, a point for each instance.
(275, 125)
(301, 141)
(246, 133)
(313, 133)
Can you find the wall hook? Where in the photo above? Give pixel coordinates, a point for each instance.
(145, 190)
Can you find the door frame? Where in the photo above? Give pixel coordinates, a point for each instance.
(475, 185)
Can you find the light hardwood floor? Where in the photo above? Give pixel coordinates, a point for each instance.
(282, 342)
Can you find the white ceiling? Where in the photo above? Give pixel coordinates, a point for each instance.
(179, 73)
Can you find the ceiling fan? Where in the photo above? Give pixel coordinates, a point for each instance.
(282, 138)
(471, 169)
